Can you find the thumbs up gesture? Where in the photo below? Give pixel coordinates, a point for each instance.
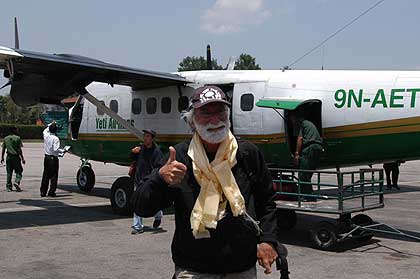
(173, 171)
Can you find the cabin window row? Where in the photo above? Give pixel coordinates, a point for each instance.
(247, 104)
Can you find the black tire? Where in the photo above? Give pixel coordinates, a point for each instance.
(121, 192)
(286, 219)
(85, 179)
(362, 220)
(324, 236)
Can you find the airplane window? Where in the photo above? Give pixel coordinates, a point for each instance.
(247, 102)
(98, 111)
(151, 105)
(113, 105)
(136, 106)
(166, 105)
(183, 103)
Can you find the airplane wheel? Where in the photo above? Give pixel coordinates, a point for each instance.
(85, 178)
(362, 220)
(324, 236)
(121, 192)
(286, 219)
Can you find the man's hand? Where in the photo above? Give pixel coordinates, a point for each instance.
(296, 160)
(136, 150)
(266, 256)
(173, 171)
(2, 161)
(23, 161)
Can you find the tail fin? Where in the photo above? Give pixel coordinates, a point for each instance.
(16, 35)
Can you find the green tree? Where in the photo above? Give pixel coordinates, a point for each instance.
(194, 63)
(11, 113)
(246, 62)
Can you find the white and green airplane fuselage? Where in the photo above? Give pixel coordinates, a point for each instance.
(366, 116)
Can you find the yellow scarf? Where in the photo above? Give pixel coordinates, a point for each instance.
(216, 181)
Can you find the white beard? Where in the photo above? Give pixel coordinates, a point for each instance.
(213, 136)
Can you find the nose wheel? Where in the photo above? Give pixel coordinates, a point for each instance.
(85, 178)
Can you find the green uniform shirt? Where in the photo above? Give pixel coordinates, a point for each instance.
(309, 133)
(12, 143)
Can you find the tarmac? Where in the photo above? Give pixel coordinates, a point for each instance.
(76, 235)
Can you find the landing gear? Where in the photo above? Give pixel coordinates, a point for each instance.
(85, 178)
(121, 192)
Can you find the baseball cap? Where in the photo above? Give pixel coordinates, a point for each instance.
(151, 132)
(207, 94)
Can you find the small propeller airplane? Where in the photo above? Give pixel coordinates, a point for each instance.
(365, 117)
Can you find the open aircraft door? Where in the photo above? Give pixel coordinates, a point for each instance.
(308, 109)
(247, 119)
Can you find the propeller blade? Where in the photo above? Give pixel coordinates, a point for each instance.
(16, 35)
(7, 84)
(209, 65)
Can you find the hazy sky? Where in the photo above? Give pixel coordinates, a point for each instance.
(158, 34)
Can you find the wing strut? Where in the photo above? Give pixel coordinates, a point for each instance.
(111, 113)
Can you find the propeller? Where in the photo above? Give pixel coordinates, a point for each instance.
(8, 73)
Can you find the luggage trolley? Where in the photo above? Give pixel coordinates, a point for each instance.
(335, 192)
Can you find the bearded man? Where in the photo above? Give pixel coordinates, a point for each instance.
(220, 187)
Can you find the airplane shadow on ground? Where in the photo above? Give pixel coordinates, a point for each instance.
(96, 191)
(300, 235)
(403, 189)
(54, 212)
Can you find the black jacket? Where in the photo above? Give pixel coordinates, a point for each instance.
(232, 246)
(147, 160)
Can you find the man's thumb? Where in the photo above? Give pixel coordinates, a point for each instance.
(172, 155)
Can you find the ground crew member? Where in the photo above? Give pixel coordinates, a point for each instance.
(52, 152)
(308, 153)
(219, 185)
(13, 144)
(392, 168)
(148, 156)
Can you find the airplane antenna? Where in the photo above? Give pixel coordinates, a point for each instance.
(209, 66)
(323, 57)
(16, 35)
(335, 33)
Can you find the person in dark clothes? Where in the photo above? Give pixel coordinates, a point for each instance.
(392, 170)
(147, 156)
(220, 187)
(14, 160)
(308, 153)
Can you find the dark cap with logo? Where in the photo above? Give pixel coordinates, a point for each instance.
(151, 132)
(206, 95)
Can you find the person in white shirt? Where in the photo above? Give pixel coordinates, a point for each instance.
(52, 152)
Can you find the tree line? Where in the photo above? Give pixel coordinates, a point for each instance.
(11, 113)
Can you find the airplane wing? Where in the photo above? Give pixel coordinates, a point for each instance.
(49, 78)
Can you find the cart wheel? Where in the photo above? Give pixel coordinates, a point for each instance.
(360, 234)
(286, 219)
(324, 235)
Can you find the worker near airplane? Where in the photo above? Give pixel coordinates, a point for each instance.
(219, 185)
(147, 157)
(52, 151)
(308, 152)
(392, 170)
(13, 144)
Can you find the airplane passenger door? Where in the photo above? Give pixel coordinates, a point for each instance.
(247, 119)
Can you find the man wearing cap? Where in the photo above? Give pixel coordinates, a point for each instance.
(52, 152)
(221, 190)
(148, 156)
